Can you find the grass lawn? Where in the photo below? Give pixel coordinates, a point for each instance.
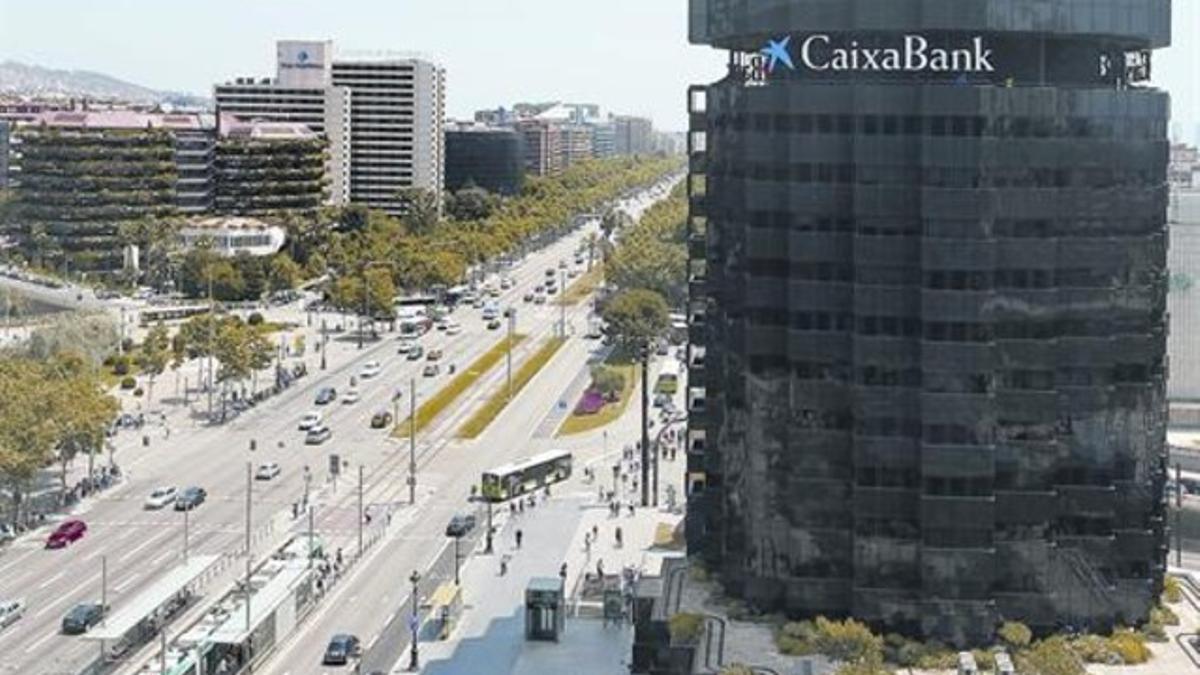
(577, 424)
(433, 406)
(582, 287)
(499, 398)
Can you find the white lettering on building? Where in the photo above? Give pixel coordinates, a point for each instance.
(915, 55)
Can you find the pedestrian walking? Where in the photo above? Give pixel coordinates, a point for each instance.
(520, 535)
(562, 573)
(632, 509)
(600, 569)
(619, 538)
(595, 532)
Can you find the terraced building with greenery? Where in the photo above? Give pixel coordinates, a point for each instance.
(263, 168)
(78, 176)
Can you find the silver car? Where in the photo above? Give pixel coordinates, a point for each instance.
(11, 611)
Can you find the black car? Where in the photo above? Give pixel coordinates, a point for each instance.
(381, 419)
(341, 649)
(494, 324)
(189, 498)
(460, 525)
(326, 395)
(82, 617)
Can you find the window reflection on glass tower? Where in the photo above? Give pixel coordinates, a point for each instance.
(928, 286)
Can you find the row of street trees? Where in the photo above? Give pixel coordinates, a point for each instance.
(240, 349)
(52, 410)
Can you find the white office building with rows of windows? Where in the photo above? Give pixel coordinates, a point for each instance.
(381, 112)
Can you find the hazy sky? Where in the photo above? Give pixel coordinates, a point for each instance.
(630, 56)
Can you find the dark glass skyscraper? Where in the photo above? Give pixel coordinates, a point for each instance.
(928, 310)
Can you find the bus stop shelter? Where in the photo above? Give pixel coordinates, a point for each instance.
(139, 620)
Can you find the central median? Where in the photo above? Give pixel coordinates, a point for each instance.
(499, 399)
(437, 404)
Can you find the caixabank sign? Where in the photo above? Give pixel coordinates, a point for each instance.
(910, 54)
(957, 58)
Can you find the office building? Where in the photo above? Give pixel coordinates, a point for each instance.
(604, 139)
(1183, 307)
(543, 146)
(268, 168)
(381, 115)
(575, 144)
(488, 157)
(633, 135)
(77, 177)
(928, 305)
(303, 92)
(397, 140)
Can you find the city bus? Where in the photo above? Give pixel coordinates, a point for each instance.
(668, 377)
(513, 480)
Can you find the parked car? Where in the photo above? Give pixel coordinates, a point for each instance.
(160, 497)
(431, 370)
(6, 533)
(371, 369)
(11, 611)
(494, 324)
(68, 532)
(342, 647)
(539, 300)
(310, 420)
(381, 419)
(318, 435)
(406, 346)
(434, 354)
(190, 497)
(460, 524)
(528, 297)
(267, 471)
(351, 396)
(454, 328)
(326, 395)
(82, 617)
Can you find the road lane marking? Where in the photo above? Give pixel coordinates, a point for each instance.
(51, 580)
(163, 556)
(38, 643)
(137, 549)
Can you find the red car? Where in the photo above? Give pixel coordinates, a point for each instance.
(66, 533)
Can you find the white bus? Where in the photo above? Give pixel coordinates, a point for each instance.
(513, 480)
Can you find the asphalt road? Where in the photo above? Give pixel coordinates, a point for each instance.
(141, 545)
(376, 587)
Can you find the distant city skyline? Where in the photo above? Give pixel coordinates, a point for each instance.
(630, 56)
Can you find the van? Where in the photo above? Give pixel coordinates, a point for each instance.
(966, 664)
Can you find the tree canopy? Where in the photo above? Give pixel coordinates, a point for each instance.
(635, 318)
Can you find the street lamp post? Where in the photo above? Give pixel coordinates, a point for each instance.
(412, 441)
(456, 559)
(488, 540)
(414, 657)
(512, 321)
(646, 425)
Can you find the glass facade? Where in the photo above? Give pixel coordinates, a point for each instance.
(928, 318)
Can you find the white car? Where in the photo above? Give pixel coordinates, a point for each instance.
(453, 329)
(161, 497)
(351, 396)
(371, 369)
(11, 611)
(267, 471)
(406, 347)
(310, 420)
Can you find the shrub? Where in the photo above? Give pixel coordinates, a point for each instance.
(1129, 646)
(121, 365)
(138, 392)
(1164, 615)
(1172, 592)
(110, 360)
(848, 641)
(1015, 634)
(685, 627)
(1095, 649)
(128, 383)
(127, 345)
(984, 658)
(1052, 656)
(607, 381)
(255, 319)
(736, 669)
(864, 668)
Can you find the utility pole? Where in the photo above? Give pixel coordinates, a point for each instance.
(412, 441)
(249, 558)
(488, 545)
(310, 537)
(512, 320)
(645, 425)
(414, 657)
(103, 590)
(361, 516)
(1178, 516)
(562, 305)
(456, 579)
(185, 536)
(212, 329)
